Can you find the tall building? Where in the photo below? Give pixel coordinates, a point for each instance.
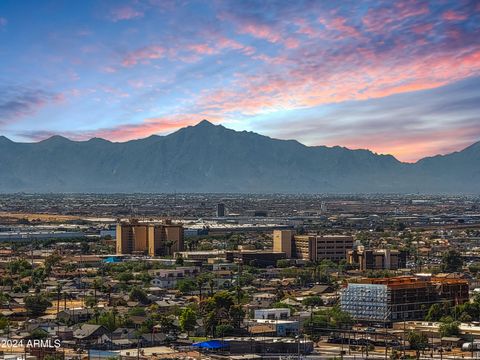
(400, 298)
(132, 237)
(154, 239)
(220, 210)
(380, 259)
(282, 241)
(312, 247)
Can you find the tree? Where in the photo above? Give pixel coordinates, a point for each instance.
(283, 263)
(312, 301)
(224, 330)
(179, 260)
(418, 342)
(188, 320)
(452, 261)
(315, 326)
(37, 304)
(449, 327)
(186, 286)
(138, 294)
(339, 319)
(108, 319)
(436, 312)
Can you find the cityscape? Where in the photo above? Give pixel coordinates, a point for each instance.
(239, 180)
(236, 276)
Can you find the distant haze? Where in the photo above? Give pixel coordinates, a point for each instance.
(212, 158)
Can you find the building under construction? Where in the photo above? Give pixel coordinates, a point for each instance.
(400, 298)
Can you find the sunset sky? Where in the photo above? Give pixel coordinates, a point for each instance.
(398, 77)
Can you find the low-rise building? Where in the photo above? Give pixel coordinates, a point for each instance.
(378, 259)
(272, 314)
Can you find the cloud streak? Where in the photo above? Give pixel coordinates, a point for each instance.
(19, 102)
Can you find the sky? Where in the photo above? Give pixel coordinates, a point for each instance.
(396, 77)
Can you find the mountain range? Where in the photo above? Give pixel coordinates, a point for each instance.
(212, 158)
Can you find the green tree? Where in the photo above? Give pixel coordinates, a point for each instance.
(188, 320)
(449, 327)
(186, 286)
(315, 326)
(108, 319)
(36, 305)
(224, 330)
(452, 261)
(283, 263)
(312, 301)
(436, 312)
(137, 294)
(418, 341)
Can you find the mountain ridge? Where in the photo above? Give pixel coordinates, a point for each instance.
(212, 158)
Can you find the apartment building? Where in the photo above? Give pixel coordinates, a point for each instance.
(400, 298)
(154, 239)
(312, 247)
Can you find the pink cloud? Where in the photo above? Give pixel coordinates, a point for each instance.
(125, 13)
(144, 55)
(304, 27)
(411, 147)
(422, 28)
(260, 31)
(451, 15)
(155, 125)
(377, 20)
(340, 25)
(203, 49)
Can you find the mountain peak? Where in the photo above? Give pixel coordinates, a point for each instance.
(4, 139)
(205, 123)
(56, 139)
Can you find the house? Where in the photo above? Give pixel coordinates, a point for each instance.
(263, 300)
(272, 314)
(278, 327)
(75, 315)
(89, 333)
(168, 278)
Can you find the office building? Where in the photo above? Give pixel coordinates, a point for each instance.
(220, 210)
(400, 298)
(154, 239)
(312, 247)
(381, 259)
(282, 241)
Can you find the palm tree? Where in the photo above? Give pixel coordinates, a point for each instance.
(200, 282)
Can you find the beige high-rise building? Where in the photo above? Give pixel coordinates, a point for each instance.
(165, 239)
(312, 247)
(282, 241)
(132, 237)
(154, 239)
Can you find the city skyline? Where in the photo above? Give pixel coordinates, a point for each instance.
(401, 79)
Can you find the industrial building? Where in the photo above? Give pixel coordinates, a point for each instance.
(312, 247)
(400, 298)
(154, 239)
(379, 259)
